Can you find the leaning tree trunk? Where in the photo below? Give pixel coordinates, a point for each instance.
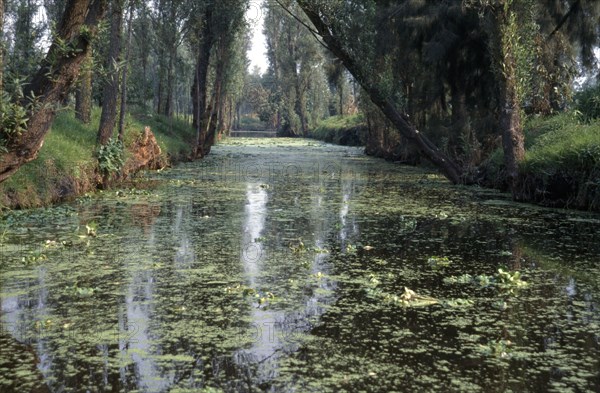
(449, 168)
(51, 84)
(110, 97)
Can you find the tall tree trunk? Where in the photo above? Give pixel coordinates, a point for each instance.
(1, 45)
(459, 119)
(200, 86)
(111, 90)
(214, 107)
(83, 94)
(449, 168)
(159, 92)
(221, 118)
(513, 141)
(123, 110)
(168, 107)
(52, 82)
(506, 44)
(341, 91)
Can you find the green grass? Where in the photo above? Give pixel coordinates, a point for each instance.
(562, 144)
(68, 152)
(346, 130)
(562, 165)
(174, 135)
(587, 103)
(562, 162)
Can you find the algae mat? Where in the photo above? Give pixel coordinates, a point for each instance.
(292, 265)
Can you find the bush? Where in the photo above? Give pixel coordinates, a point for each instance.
(111, 157)
(588, 103)
(342, 130)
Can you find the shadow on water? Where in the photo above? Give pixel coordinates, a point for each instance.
(280, 265)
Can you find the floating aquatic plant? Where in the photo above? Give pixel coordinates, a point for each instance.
(81, 291)
(510, 280)
(92, 228)
(439, 262)
(412, 299)
(500, 348)
(297, 246)
(503, 280)
(261, 297)
(34, 257)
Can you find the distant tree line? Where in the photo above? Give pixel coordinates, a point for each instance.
(448, 81)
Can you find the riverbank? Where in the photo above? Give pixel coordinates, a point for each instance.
(561, 166)
(67, 166)
(342, 130)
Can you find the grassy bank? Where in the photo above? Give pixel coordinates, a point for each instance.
(66, 166)
(342, 130)
(562, 162)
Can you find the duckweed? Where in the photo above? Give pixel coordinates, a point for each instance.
(291, 265)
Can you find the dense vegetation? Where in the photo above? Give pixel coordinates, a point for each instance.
(458, 83)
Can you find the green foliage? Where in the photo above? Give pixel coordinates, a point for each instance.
(14, 112)
(13, 120)
(296, 96)
(567, 147)
(346, 130)
(69, 153)
(174, 134)
(439, 262)
(111, 157)
(510, 281)
(588, 103)
(248, 123)
(505, 281)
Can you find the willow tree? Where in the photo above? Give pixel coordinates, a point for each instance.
(24, 127)
(110, 97)
(296, 70)
(215, 32)
(512, 27)
(1, 46)
(337, 25)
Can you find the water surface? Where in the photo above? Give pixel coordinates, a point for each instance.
(280, 265)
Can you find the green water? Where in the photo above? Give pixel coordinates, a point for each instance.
(281, 265)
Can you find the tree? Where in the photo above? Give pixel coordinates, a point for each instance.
(111, 88)
(25, 54)
(125, 71)
(512, 32)
(50, 84)
(83, 94)
(296, 70)
(205, 41)
(215, 36)
(170, 22)
(329, 25)
(1, 45)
